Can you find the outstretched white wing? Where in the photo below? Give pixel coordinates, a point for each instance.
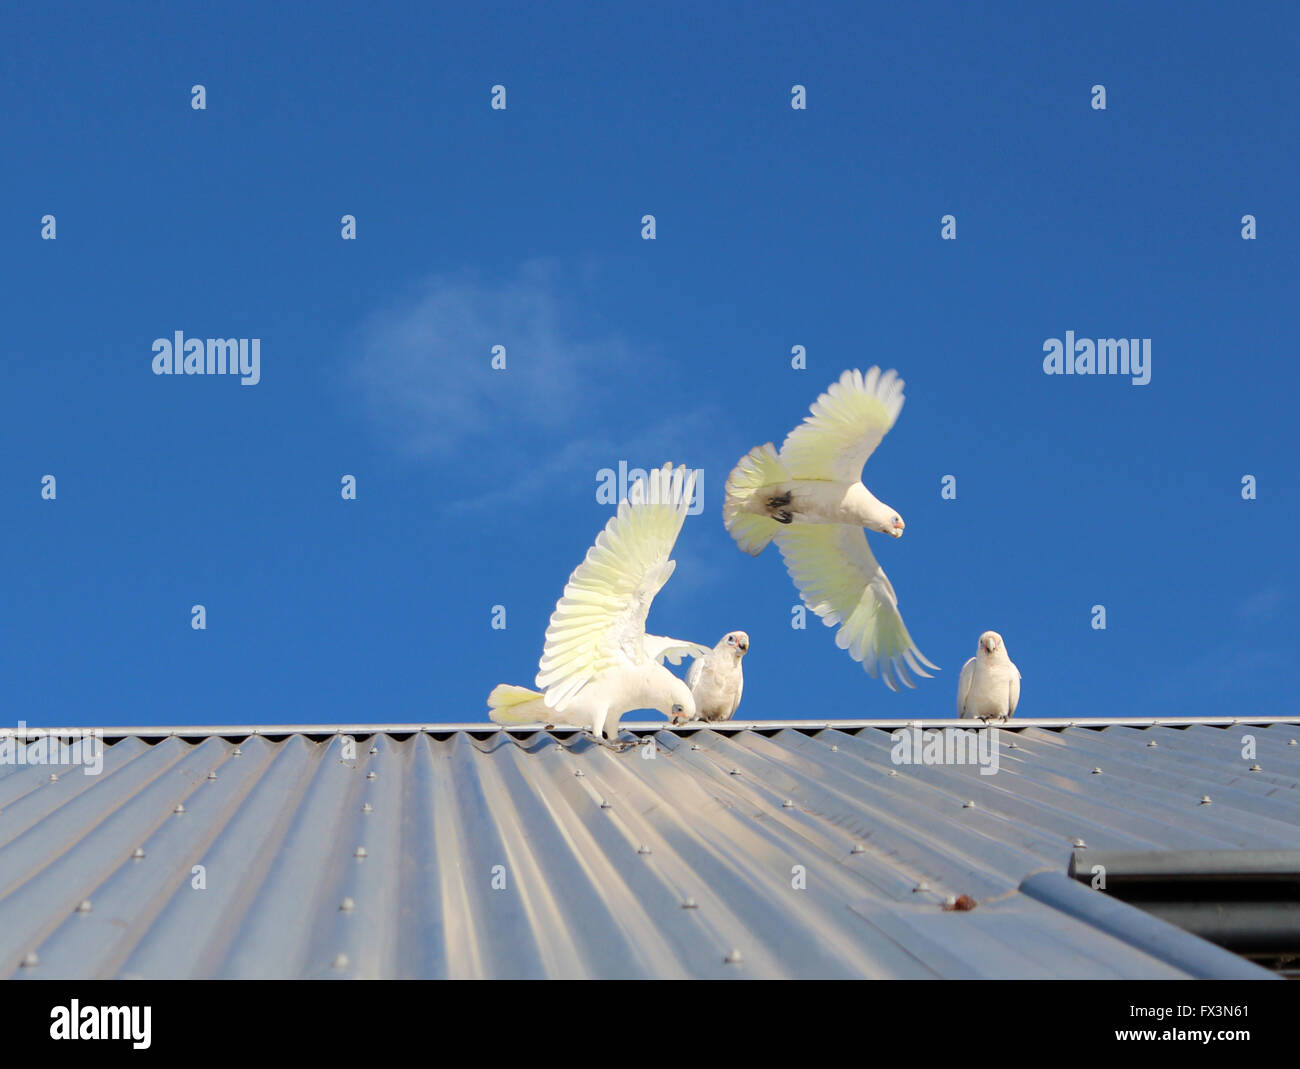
(847, 423)
(671, 649)
(599, 622)
(841, 582)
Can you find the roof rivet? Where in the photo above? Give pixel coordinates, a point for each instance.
(835, 749)
(1079, 843)
(374, 750)
(735, 772)
(696, 745)
(950, 901)
(212, 775)
(1096, 771)
(367, 808)
(579, 772)
(30, 960)
(360, 852)
(179, 809)
(604, 804)
(1070, 724)
(84, 906)
(690, 903)
(340, 961)
(347, 905)
(1205, 799)
(1256, 768)
(643, 849)
(893, 772)
(138, 854)
(1013, 745)
(1153, 744)
(236, 752)
(54, 777)
(371, 775)
(787, 804)
(922, 886)
(858, 848)
(1291, 742)
(969, 804)
(734, 958)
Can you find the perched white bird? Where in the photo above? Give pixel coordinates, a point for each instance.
(810, 498)
(598, 662)
(716, 679)
(989, 687)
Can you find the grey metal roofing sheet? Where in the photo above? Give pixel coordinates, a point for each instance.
(616, 865)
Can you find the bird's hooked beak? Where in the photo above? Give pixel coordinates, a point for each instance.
(897, 532)
(991, 644)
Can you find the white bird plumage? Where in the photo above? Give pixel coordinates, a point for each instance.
(809, 497)
(989, 687)
(717, 680)
(598, 662)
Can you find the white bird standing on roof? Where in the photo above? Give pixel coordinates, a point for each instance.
(716, 679)
(989, 687)
(810, 498)
(598, 662)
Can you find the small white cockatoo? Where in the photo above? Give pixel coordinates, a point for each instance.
(598, 662)
(989, 687)
(716, 679)
(810, 498)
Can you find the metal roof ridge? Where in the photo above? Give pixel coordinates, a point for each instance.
(410, 728)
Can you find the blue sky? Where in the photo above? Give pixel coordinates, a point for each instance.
(775, 227)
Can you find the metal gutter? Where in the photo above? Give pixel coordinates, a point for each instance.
(730, 727)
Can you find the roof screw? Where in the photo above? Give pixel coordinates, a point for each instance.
(236, 752)
(84, 906)
(371, 775)
(1070, 724)
(690, 903)
(604, 804)
(858, 848)
(374, 750)
(54, 776)
(138, 855)
(970, 804)
(1205, 799)
(367, 808)
(735, 772)
(643, 849)
(734, 958)
(1096, 771)
(360, 853)
(1291, 742)
(1079, 843)
(340, 961)
(1152, 744)
(696, 745)
(212, 775)
(347, 905)
(950, 902)
(30, 960)
(1256, 768)
(787, 804)
(835, 749)
(893, 772)
(579, 772)
(922, 886)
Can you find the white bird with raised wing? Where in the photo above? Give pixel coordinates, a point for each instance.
(989, 687)
(811, 499)
(598, 662)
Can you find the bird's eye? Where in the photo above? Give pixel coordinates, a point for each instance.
(677, 709)
(731, 640)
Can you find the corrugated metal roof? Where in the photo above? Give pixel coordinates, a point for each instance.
(684, 864)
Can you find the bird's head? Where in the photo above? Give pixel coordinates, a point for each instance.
(736, 640)
(676, 702)
(991, 643)
(889, 522)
